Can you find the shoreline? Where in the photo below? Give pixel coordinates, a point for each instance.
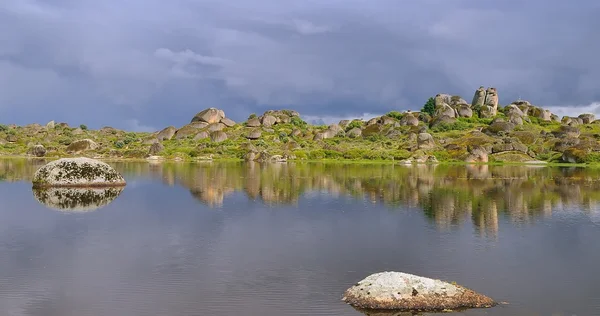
(313, 161)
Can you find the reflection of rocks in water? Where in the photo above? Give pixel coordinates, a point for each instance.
(210, 195)
(76, 199)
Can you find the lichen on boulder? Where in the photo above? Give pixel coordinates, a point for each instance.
(406, 292)
(77, 172)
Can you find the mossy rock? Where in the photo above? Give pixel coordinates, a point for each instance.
(372, 130)
(511, 156)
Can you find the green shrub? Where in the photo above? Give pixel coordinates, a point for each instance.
(395, 114)
(456, 126)
(3, 128)
(354, 124)
(300, 154)
(429, 107)
(261, 143)
(400, 154)
(252, 116)
(296, 121)
(83, 127)
(316, 154)
(442, 155)
(119, 144)
(593, 157)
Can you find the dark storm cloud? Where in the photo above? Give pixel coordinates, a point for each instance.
(145, 64)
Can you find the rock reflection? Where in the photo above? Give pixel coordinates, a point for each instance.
(449, 196)
(76, 199)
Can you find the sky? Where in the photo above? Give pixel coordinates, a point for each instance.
(147, 64)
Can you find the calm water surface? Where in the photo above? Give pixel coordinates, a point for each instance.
(288, 239)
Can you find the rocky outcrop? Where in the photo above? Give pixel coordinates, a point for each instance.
(425, 141)
(477, 154)
(210, 116)
(186, 131)
(587, 118)
(441, 99)
(216, 127)
(218, 136)
(491, 98)
(253, 122)
(166, 134)
(202, 135)
(406, 292)
(499, 127)
(354, 133)
(574, 155)
(37, 151)
(77, 172)
(254, 134)
(50, 125)
(509, 145)
(567, 131)
(372, 130)
(409, 119)
(513, 109)
(156, 149)
(227, 122)
(444, 119)
(344, 123)
(515, 119)
(464, 110)
(268, 120)
(486, 111)
(445, 110)
(572, 121)
(296, 133)
(82, 145)
(478, 98)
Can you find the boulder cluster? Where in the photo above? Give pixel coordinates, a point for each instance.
(448, 126)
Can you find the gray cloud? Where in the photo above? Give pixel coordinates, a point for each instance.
(150, 63)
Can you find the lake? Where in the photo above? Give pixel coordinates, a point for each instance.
(288, 239)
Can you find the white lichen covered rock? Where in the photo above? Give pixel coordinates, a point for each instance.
(76, 199)
(77, 172)
(406, 292)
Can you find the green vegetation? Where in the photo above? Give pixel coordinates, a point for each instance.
(429, 107)
(393, 137)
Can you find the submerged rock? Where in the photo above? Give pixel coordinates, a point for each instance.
(77, 172)
(407, 292)
(76, 199)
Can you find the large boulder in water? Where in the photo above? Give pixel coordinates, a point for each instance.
(210, 116)
(406, 292)
(77, 172)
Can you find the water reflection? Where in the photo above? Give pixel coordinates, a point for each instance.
(448, 195)
(76, 199)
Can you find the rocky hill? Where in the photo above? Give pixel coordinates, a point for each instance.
(450, 130)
